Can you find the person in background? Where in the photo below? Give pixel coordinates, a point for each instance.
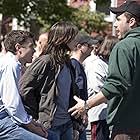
(96, 69)
(100, 39)
(41, 44)
(107, 47)
(82, 49)
(46, 86)
(120, 88)
(15, 123)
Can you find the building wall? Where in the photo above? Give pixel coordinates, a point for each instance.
(119, 2)
(78, 3)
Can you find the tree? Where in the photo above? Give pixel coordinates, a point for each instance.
(44, 13)
(103, 2)
(48, 11)
(88, 21)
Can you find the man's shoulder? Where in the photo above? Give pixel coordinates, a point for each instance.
(74, 61)
(9, 61)
(128, 43)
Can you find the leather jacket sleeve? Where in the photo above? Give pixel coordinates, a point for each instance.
(31, 83)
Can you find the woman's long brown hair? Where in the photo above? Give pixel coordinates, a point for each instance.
(59, 36)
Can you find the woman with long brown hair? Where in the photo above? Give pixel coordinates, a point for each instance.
(46, 85)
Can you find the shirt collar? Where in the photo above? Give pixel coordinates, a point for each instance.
(13, 56)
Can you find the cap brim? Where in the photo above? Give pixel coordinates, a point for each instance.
(93, 42)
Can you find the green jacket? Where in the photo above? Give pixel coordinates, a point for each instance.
(121, 87)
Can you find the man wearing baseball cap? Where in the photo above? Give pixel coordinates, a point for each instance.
(82, 46)
(121, 88)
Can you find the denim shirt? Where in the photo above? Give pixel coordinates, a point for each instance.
(10, 99)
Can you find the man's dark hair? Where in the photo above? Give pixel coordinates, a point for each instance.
(14, 37)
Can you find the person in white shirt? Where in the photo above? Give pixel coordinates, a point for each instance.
(96, 69)
(15, 123)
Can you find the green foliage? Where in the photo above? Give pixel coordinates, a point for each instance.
(48, 11)
(44, 13)
(88, 21)
(103, 3)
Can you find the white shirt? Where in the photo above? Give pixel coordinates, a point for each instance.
(10, 99)
(96, 71)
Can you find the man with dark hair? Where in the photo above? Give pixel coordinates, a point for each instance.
(82, 49)
(19, 50)
(120, 88)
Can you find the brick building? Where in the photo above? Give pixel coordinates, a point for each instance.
(119, 2)
(78, 3)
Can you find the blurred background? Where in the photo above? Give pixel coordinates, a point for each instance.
(91, 16)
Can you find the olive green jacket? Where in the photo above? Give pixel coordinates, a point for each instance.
(38, 90)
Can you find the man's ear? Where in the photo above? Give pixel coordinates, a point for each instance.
(18, 46)
(78, 46)
(132, 22)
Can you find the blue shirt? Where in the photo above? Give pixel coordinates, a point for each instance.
(10, 100)
(62, 100)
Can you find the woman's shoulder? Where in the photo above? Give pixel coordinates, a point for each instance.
(40, 64)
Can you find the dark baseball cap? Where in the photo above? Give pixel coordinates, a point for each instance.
(93, 41)
(128, 6)
(82, 38)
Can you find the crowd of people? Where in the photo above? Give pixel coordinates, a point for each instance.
(54, 87)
